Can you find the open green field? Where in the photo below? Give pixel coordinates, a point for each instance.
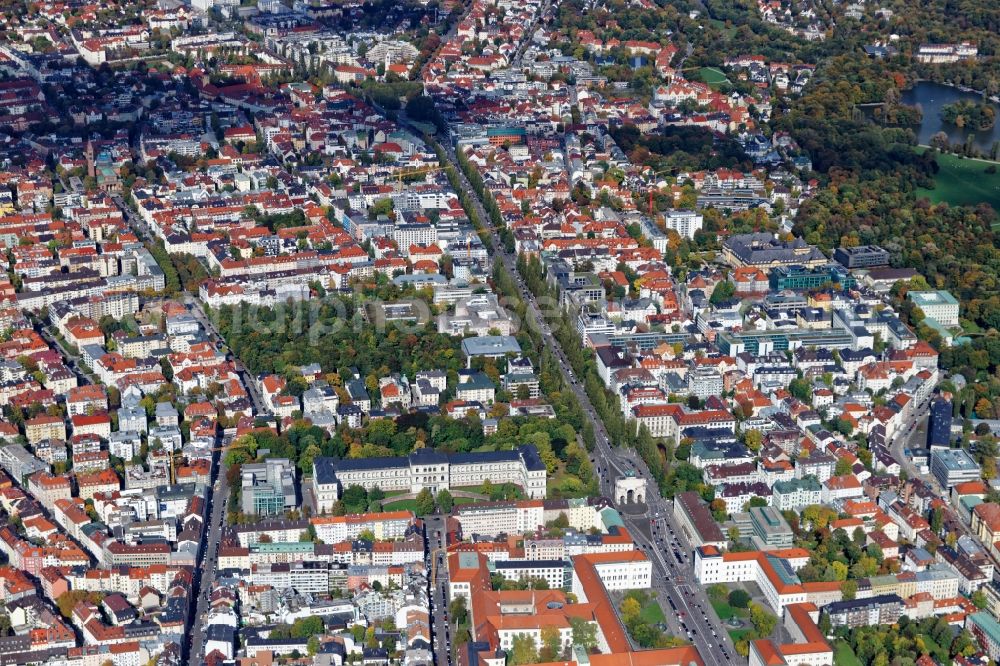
(517, 492)
(426, 128)
(933, 649)
(411, 504)
(739, 634)
(401, 505)
(843, 655)
(652, 613)
(713, 77)
(721, 25)
(964, 182)
(725, 611)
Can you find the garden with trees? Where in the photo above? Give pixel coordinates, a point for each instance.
(870, 196)
(331, 332)
(903, 643)
(737, 603)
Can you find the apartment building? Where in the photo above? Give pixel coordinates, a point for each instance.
(987, 631)
(796, 494)
(495, 518)
(881, 609)
(19, 463)
(385, 526)
(44, 427)
(555, 572)
(685, 222)
(47, 488)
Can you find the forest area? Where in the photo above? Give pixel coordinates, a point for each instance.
(869, 195)
(331, 332)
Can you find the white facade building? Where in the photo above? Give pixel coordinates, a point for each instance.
(426, 468)
(684, 222)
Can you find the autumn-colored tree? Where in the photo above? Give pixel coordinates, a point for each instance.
(67, 601)
(718, 507)
(550, 644)
(984, 409)
(840, 570)
(523, 651)
(630, 610)
(763, 622)
(753, 438)
(424, 502)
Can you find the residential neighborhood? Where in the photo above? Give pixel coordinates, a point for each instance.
(495, 333)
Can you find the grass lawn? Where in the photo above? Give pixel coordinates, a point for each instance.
(652, 613)
(426, 128)
(401, 505)
(843, 655)
(721, 25)
(964, 182)
(466, 500)
(713, 77)
(738, 634)
(556, 486)
(724, 610)
(518, 493)
(933, 648)
(969, 327)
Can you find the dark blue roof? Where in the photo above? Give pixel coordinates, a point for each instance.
(367, 463)
(427, 456)
(532, 461)
(258, 641)
(706, 434)
(326, 468)
(357, 389)
(221, 632)
(333, 647)
(939, 423)
(482, 457)
(530, 564)
(848, 605)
